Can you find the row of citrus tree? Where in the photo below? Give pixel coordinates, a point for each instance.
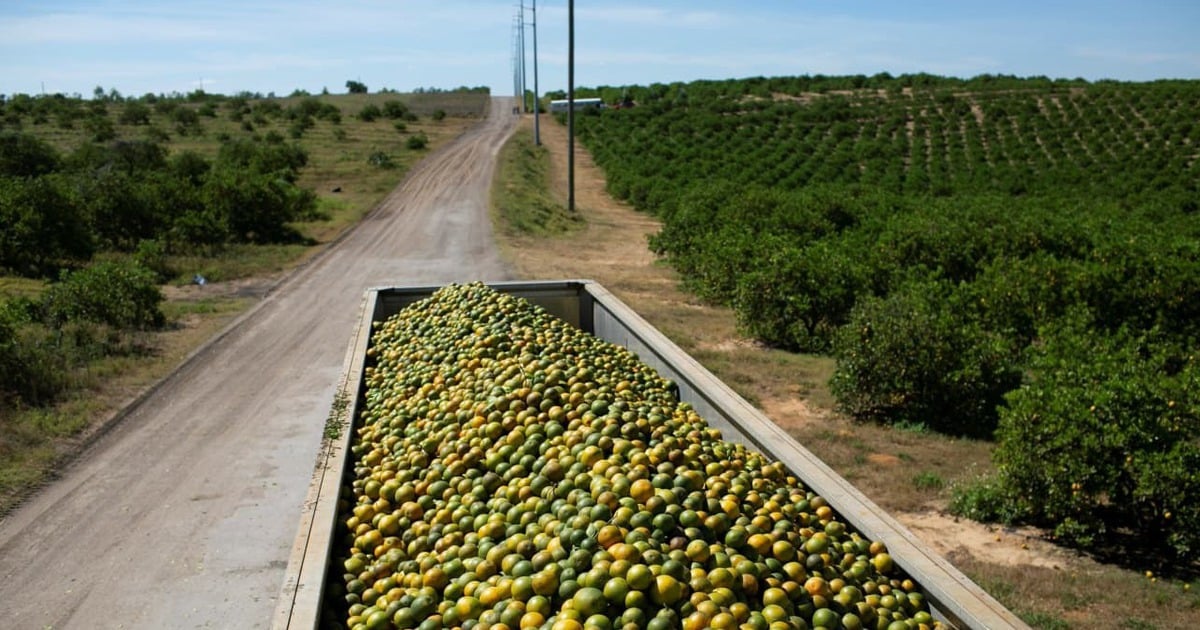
(1062, 324)
(946, 143)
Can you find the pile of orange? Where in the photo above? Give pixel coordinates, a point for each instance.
(513, 472)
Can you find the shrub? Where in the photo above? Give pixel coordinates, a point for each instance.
(369, 112)
(914, 357)
(123, 295)
(31, 369)
(256, 207)
(381, 160)
(797, 298)
(43, 226)
(439, 114)
(152, 255)
(1101, 441)
(135, 113)
(417, 142)
(273, 157)
(396, 110)
(26, 155)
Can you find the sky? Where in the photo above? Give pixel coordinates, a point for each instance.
(231, 46)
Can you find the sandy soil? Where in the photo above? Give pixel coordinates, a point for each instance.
(183, 513)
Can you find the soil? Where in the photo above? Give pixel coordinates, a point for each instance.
(183, 512)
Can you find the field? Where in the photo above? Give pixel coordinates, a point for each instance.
(1015, 262)
(908, 468)
(100, 367)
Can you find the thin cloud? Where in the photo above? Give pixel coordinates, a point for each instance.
(640, 16)
(1135, 57)
(83, 28)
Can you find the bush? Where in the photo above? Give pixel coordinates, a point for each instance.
(380, 159)
(273, 157)
(396, 110)
(31, 369)
(439, 114)
(43, 226)
(135, 113)
(797, 298)
(256, 207)
(1101, 441)
(123, 295)
(417, 142)
(914, 357)
(369, 112)
(26, 155)
(152, 255)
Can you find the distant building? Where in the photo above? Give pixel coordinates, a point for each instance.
(580, 103)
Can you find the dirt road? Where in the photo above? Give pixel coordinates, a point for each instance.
(183, 515)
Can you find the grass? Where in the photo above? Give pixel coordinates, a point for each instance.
(11, 287)
(336, 421)
(906, 470)
(34, 441)
(521, 193)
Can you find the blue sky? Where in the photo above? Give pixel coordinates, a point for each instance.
(72, 46)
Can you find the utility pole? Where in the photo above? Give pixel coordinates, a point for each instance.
(516, 63)
(537, 113)
(571, 106)
(513, 59)
(521, 39)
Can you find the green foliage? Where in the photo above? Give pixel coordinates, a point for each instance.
(356, 87)
(26, 155)
(417, 142)
(187, 121)
(397, 110)
(44, 226)
(116, 195)
(135, 113)
(913, 357)
(381, 159)
(1102, 438)
(123, 295)
(312, 107)
(438, 114)
(927, 480)
(369, 112)
(938, 234)
(255, 207)
(278, 159)
(521, 191)
(32, 369)
(798, 298)
(983, 499)
(151, 255)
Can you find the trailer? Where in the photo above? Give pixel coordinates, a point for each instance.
(563, 105)
(953, 598)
